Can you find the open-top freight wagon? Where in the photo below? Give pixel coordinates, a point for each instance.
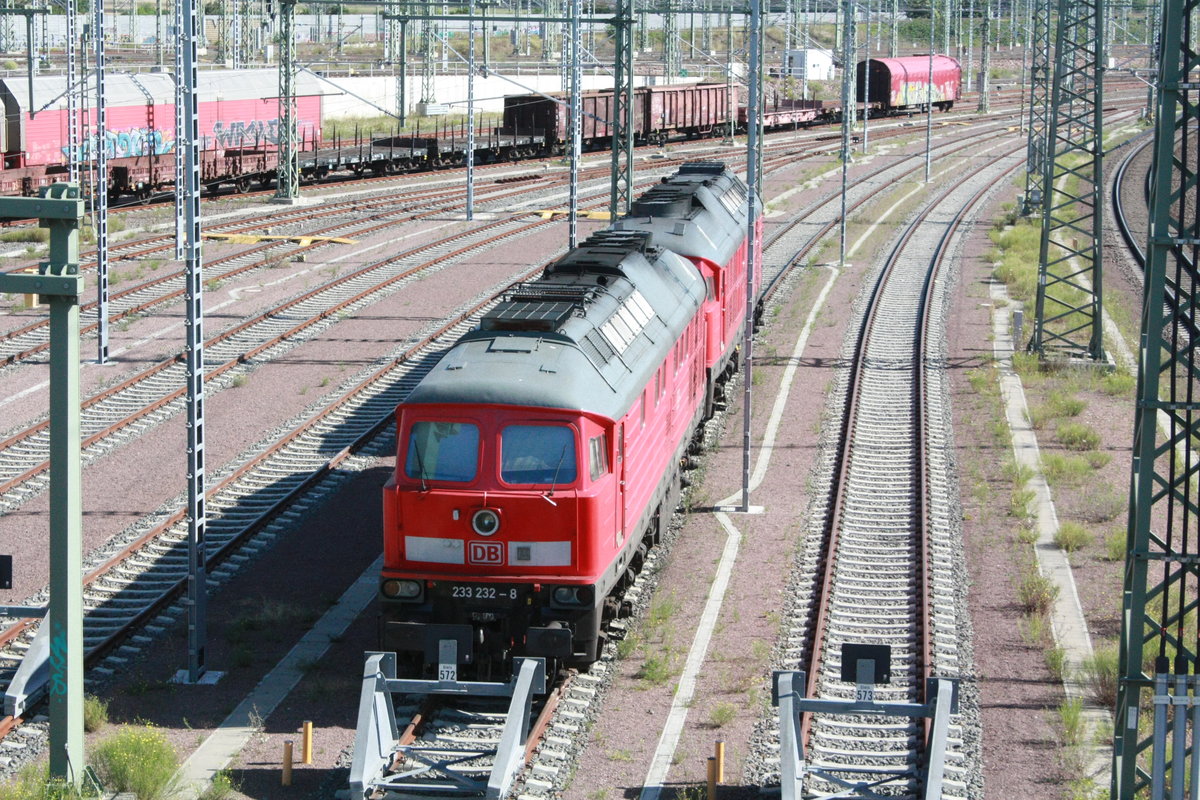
(659, 113)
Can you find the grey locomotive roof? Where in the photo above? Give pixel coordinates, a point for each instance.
(124, 88)
(705, 194)
(587, 336)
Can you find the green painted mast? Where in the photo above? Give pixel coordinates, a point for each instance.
(1068, 320)
(1162, 571)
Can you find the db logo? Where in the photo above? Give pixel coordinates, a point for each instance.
(486, 553)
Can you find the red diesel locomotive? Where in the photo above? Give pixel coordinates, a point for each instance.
(540, 459)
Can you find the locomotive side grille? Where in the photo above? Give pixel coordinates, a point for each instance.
(596, 349)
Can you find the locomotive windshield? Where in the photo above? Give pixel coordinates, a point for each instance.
(537, 454)
(442, 451)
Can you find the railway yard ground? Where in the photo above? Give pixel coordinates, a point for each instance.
(698, 653)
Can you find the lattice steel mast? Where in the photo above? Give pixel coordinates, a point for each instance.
(1039, 107)
(1162, 572)
(620, 194)
(288, 185)
(100, 186)
(1068, 319)
(672, 55)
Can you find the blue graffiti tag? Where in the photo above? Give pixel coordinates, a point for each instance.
(58, 662)
(124, 143)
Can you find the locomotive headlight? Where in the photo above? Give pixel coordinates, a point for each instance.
(485, 522)
(573, 595)
(401, 590)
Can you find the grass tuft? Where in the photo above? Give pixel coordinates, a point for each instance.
(1036, 593)
(223, 787)
(1077, 436)
(1114, 545)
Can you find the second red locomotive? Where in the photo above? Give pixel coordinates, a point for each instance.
(540, 458)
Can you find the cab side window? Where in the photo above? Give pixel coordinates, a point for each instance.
(598, 456)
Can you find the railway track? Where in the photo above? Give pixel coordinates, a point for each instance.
(880, 558)
(32, 340)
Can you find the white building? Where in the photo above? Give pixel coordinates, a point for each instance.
(817, 63)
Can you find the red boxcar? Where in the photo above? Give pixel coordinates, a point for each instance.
(900, 84)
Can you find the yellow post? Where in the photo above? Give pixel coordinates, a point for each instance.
(720, 761)
(306, 743)
(32, 300)
(712, 778)
(286, 778)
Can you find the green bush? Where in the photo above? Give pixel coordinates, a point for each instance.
(1070, 714)
(1018, 268)
(1072, 536)
(1056, 661)
(722, 714)
(1036, 593)
(1118, 383)
(1020, 503)
(1077, 436)
(1099, 675)
(1062, 404)
(1114, 545)
(138, 760)
(26, 235)
(222, 787)
(95, 713)
(1104, 503)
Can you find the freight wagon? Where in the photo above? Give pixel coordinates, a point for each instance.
(902, 85)
(659, 112)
